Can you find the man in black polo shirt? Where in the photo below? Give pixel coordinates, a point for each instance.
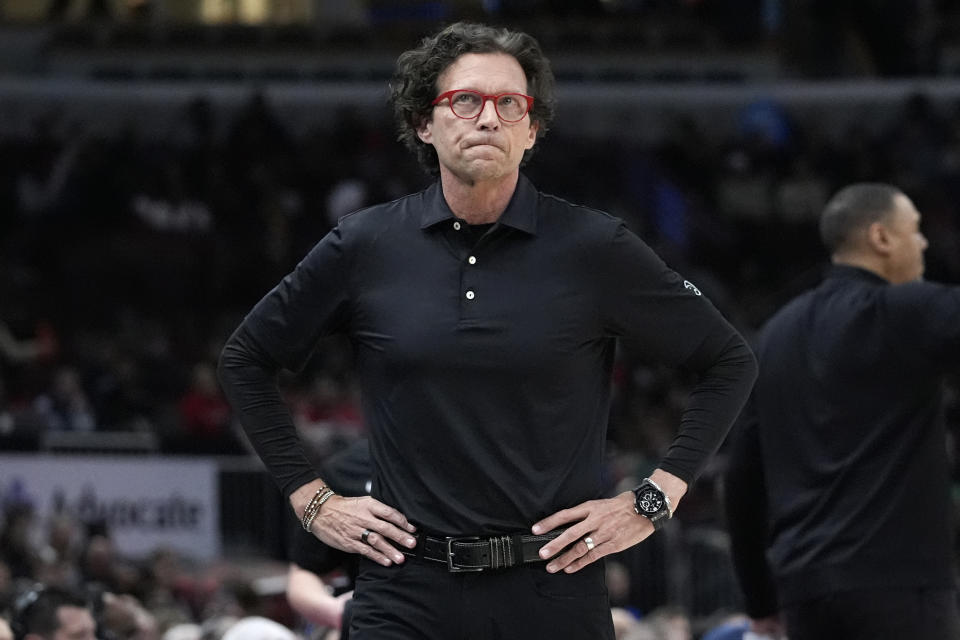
(484, 316)
(838, 484)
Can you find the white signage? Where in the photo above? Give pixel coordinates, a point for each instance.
(145, 503)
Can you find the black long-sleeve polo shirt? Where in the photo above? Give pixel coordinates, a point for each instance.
(838, 475)
(485, 366)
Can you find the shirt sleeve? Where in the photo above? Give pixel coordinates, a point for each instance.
(282, 331)
(745, 507)
(924, 321)
(665, 319)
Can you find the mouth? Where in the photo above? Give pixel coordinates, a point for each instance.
(482, 143)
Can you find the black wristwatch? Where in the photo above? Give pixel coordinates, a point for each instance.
(650, 501)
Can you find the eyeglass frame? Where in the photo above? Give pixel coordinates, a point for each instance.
(448, 95)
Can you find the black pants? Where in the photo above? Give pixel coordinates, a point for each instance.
(421, 600)
(876, 614)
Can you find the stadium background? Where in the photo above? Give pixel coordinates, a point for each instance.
(163, 163)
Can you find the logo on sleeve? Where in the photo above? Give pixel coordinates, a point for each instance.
(690, 285)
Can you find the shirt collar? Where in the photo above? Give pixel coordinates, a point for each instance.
(858, 273)
(521, 212)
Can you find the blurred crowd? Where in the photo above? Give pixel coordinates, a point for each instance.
(809, 38)
(126, 259)
(167, 597)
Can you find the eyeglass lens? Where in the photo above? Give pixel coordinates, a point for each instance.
(510, 106)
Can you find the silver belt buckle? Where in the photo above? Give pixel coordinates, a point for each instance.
(453, 568)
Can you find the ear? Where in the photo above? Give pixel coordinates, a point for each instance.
(532, 134)
(425, 131)
(878, 237)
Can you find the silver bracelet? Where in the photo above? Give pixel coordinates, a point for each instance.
(312, 506)
(308, 518)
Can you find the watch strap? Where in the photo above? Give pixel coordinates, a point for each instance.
(659, 519)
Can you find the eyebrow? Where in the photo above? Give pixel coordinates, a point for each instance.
(494, 93)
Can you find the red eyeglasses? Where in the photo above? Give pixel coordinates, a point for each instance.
(467, 104)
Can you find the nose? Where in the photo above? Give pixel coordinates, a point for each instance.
(488, 118)
(923, 242)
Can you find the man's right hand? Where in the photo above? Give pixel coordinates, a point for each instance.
(342, 522)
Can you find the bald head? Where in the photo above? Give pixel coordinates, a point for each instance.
(875, 227)
(851, 211)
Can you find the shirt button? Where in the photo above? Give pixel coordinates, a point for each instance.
(472, 260)
(470, 295)
(456, 226)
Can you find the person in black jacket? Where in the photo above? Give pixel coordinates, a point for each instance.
(484, 317)
(837, 490)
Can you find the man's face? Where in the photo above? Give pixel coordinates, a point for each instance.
(482, 148)
(76, 623)
(906, 242)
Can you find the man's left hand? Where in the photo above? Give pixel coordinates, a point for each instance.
(611, 524)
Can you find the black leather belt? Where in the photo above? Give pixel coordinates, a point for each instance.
(477, 553)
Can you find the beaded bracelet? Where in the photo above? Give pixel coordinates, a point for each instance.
(316, 497)
(313, 504)
(308, 518)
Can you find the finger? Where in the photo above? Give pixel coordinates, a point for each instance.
(570, 556)
(389, 532)
(371, 552)
(587, 558)
(592, 555)
(559, 519)
(388, 513)
(566, 539)
(379, 543)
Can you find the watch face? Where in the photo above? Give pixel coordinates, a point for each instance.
(649, 500)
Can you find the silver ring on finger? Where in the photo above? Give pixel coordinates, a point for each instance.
(590, 543)
(366, 534)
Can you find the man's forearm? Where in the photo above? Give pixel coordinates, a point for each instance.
(249, 380)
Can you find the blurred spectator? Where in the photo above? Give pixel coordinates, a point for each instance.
(174, 596)
(66, 406)
(92, 9)
(65, 537)
(49, 613)
(728, 630)
(640, 630)
(6, 586)
(169, 207)
(184, 631)
(829, 38)
(625, 623)
(126, 619)
(205, 417)
(7, 422)
(258, 628)
(18, 539)
(916, 139)
(41, 347)
(102, 565)
(327, 411)
(671, 623)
